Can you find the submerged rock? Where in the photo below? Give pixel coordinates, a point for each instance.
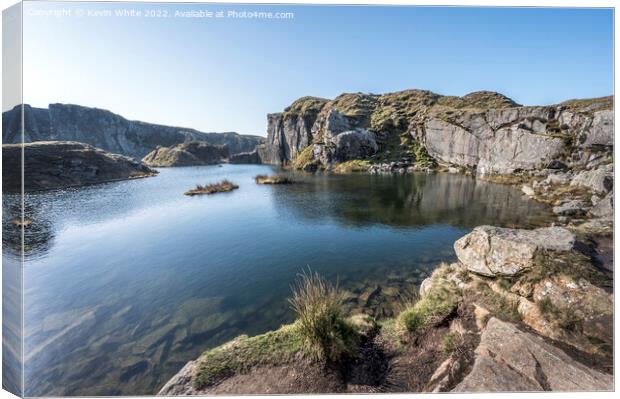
(509, 359)
(496, 251)
(58, 164)
(194, 153)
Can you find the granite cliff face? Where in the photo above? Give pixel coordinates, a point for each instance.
(193, 153)
(59, 164)
(109, 131)
(289, 132)
(482, 131)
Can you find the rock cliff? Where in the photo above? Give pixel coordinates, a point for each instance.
(193, 153)
(108, 131)
(482, 131)
(58, 164)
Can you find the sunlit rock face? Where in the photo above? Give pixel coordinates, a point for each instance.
(484, 131)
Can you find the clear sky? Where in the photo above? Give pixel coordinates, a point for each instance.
(226, 74)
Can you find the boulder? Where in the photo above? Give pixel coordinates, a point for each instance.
(560, 179)
(571, 208)
(59, 164)
(353, 144)
(335, 123)
(604, 207)
(599, 180)
(509, 359)
(527, 190)
(602, 130)
(194, 153)
(496, 251)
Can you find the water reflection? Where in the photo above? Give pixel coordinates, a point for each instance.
(38, 234)
(411, 200)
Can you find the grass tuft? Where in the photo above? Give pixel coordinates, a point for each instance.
(327, 335)
(564, 317)
(451, 342)
(441, 299)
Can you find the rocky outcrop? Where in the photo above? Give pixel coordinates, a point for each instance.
(509, 359)
(598, 180)
(289, 132)
(484, 131)
(108, 131)
(194, 153)
(496, 251)
(59, 164)
(580, 300)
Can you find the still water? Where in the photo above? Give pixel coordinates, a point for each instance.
(126, 282)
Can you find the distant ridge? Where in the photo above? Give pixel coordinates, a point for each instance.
(109, 131)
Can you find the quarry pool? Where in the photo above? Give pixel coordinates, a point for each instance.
(125, 282)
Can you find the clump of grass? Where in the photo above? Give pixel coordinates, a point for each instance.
(451, 343)
(327, 335)
(505, 284)
(355, 165)
(422, 157)
(564, 317)
(221, 187)
(441, 299)
(275, 179)
(574, 264)
(504, 307)
(243, 353)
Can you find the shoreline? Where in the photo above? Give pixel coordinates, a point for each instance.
(508, 303)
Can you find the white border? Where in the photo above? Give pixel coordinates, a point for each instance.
(489, 3)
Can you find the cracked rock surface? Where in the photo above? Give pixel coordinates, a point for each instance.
(509, 359)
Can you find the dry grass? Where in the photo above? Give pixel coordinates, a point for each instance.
(221, 187)
(326, 333)
(356, 165)
(275, 179)
(441, 300)
(304, 159)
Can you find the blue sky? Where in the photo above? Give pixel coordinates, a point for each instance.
(227, 74)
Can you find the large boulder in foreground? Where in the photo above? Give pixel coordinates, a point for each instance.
(193, 153)
(497, 251)
(59, 164)
(508, 359)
